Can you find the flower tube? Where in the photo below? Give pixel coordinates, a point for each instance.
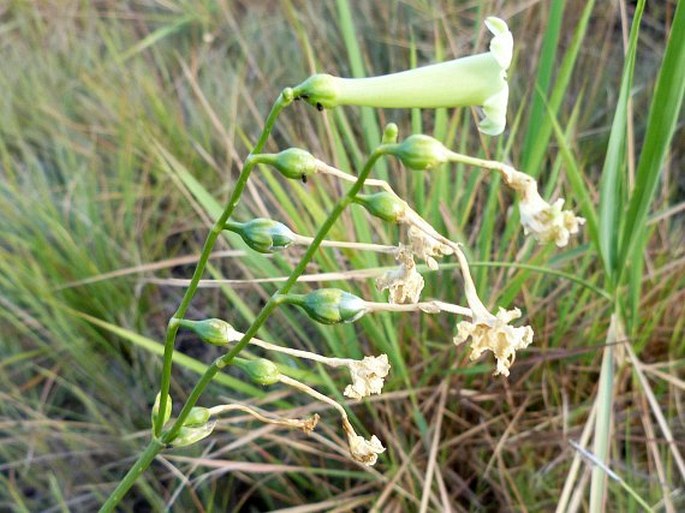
(477, 80)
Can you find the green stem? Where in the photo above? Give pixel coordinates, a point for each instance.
(156, 445)
(284, 99)
(141, 464)
(274, 301)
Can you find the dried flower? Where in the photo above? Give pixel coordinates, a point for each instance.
(547, 223)
(405, 283)
(367, 376)
(361, 450)
(490, 332)
(427, 247)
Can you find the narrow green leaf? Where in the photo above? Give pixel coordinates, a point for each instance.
(663, 116)
(544, 77)
(612, 188)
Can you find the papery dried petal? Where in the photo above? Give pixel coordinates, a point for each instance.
(367, 376)
(494, 334)
(404, 283)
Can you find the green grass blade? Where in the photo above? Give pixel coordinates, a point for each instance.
(663, 116)
(544, 77)
(602, 434)
(370, 126)
(612, 189)
(532, 161)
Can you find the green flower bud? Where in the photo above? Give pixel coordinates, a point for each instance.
(390, 133)
(260, 371)
(213, 331)
(155, 410)
(420, 152)
(330, 306)
(198, 416)
(292, 163)
(263, 235)
(384, 205)
(190, 435)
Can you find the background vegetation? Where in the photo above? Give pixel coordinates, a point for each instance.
(122, 128)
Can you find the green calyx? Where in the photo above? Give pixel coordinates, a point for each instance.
(329, 306)
(154, 414)
(383, 205)
(189, 435)
(198, 416)
(419, 152)
(263, 235)
(261, 371)
(320, 90)
(213, 331)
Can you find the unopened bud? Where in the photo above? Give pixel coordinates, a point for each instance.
(384, 205)
(263, 235)
(213, 331)
(198, 416)
(390, 133)
(330, 306)
(190, 435)
(260, 371)
(420, 152)
(292, 163)
(155, 410)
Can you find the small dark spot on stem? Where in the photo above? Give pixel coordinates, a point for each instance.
(319, 107)
(304, 178)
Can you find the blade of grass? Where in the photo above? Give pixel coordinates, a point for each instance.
(544, 76)
(602, 433)
(612, 185)
(664, 113)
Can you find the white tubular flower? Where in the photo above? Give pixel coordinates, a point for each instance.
(547, 223)
(493, 333)
(361, 450)
(426, 247)
(367, 376)
(404, 283)
(476, 80)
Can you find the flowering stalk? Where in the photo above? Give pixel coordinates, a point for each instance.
(162, 439)
(305, 425)
(269, 236)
